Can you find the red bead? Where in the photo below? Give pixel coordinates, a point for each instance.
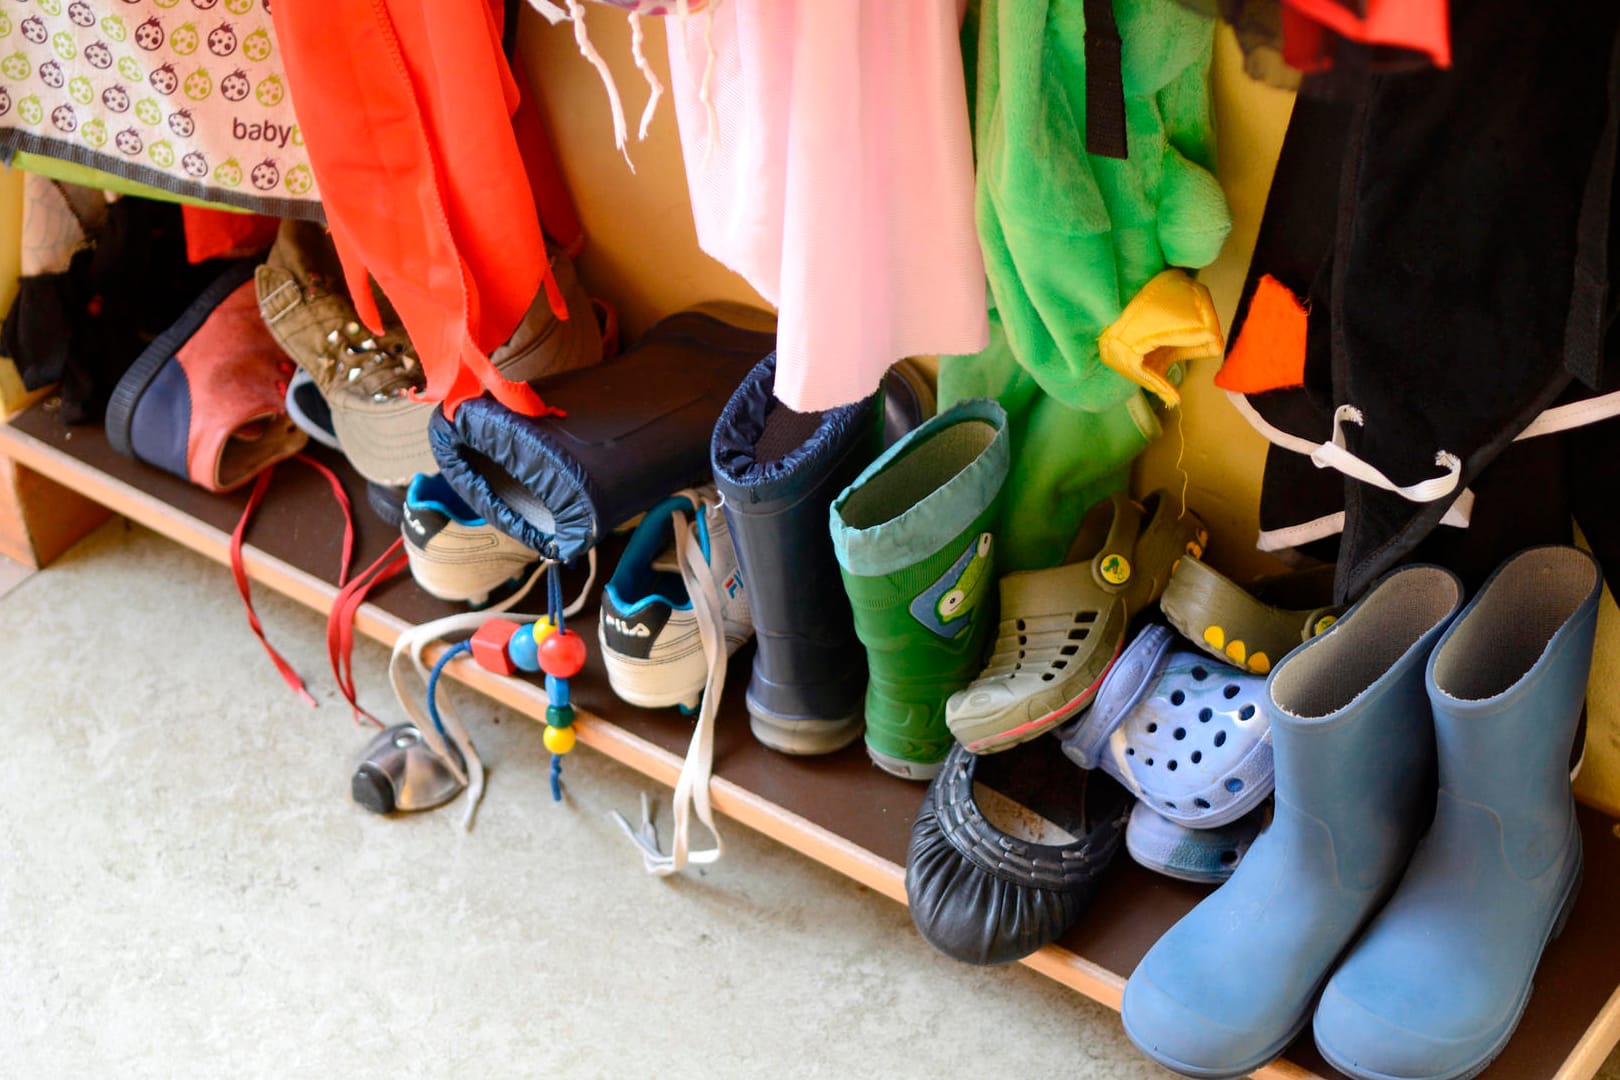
(489, 646)
(562, 655)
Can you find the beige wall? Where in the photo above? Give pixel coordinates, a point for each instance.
(641, 250)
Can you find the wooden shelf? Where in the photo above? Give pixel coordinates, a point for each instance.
(838, 810)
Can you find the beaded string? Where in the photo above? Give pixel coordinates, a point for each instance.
(548, 646)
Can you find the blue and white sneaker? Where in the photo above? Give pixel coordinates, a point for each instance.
(455, 554)
(651, 630)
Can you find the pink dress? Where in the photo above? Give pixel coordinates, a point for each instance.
(834, 172)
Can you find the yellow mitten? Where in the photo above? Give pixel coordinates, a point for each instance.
(1171, 321)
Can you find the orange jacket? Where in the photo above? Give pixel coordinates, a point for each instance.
(407, 111)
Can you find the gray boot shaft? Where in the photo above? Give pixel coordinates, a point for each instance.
(1351, 729)
(1507, 684)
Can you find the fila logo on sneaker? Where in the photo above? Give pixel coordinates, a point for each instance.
(629, 629)
(410, 519)
(732, 586)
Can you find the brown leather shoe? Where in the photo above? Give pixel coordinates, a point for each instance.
(367, 379)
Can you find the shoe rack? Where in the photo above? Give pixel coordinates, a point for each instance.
(839, 810)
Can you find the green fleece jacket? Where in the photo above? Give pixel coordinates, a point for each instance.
(1069, 238)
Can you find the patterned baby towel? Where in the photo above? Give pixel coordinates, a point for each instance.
(184, 95)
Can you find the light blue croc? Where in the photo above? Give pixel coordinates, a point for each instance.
(1184, 733)
(1202, 856)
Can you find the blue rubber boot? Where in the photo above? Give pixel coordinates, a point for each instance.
(1435, 987)
(1233, 983)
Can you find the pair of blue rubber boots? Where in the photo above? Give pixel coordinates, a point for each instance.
(1406, 920)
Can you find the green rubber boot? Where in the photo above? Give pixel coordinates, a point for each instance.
(914, 535)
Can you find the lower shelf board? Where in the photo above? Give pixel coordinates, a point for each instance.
(839, 810)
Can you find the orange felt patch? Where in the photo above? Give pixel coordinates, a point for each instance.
(1269, 353)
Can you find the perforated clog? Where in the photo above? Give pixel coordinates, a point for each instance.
(1187, 736)
(1063, 627)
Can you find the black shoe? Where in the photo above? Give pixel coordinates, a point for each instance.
(993, 875)
(637, 428)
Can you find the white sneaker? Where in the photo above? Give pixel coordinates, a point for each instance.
(673, 612)
(455, 554)
(649, 627)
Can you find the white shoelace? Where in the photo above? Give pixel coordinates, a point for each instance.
(692, 787)
(415, 641)
(574, 11)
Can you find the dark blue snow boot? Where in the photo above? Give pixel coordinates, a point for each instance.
(777, 471)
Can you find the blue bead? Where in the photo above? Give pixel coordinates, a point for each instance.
(557, 690)
(522, 649)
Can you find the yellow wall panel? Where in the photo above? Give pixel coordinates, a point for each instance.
(11, 388)
(1222, 455)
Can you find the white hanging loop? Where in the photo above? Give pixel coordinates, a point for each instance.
(1336, 455)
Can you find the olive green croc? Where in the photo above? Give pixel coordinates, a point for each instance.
(1228, 622)
(1061, 629)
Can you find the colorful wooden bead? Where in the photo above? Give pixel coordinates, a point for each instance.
(560, 740)
(557, 690)
(562, 655)
(544, 627)
(559, 715)
(523, 650)
(489, 646)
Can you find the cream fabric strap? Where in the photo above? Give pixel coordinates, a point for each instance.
(1334, 455)
(692, 787)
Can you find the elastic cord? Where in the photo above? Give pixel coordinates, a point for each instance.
(433, 682)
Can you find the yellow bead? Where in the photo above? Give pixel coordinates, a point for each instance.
(544, 628)
(559, 740)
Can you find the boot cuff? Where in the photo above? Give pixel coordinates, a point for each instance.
(923, 491)
(759, 461)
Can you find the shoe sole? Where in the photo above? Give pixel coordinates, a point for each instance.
(905, 770)
(1233, 1072)
(803, 737)
(645, 683)
(443, 583)
(136, 381)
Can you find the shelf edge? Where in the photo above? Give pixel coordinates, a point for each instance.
(1596, 1043)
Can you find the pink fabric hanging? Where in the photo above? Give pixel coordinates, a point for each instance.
(837, 178)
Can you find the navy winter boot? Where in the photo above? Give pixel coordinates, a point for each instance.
(1233, 983)
(777, 472)
(1437, 984)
